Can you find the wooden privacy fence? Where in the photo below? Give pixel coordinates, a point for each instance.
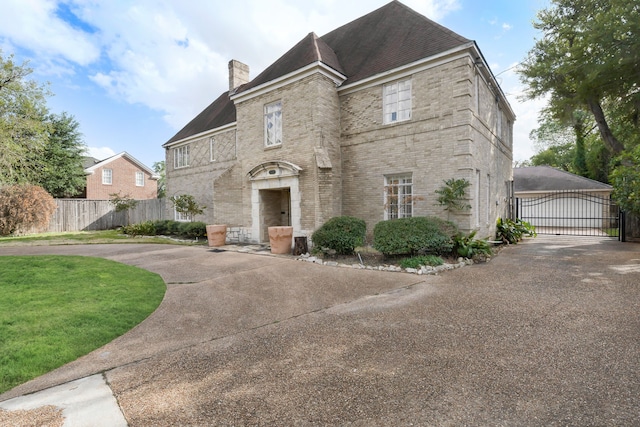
(84, 215)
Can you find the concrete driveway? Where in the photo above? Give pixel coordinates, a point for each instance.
(547, 333)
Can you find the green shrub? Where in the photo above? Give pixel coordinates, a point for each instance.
(192, 229)
(163, 226)
(509, 231)
(418, 261)
(341, 234)
(468, 246)
(412, 236)
(146, 228)
(173, 228)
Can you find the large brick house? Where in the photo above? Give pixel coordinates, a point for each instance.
(121, 173)
(367, 121)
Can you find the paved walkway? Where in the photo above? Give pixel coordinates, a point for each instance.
(547, 333)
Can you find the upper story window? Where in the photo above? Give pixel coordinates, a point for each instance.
(398, 196)
(273, 124)
(107, 176)
(181, 156)
(397, 101)
(139, 179)
(212, 149)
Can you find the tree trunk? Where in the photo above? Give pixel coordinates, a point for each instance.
(610, 141)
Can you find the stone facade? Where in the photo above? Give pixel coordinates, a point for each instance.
(338, 140)
(337, 154)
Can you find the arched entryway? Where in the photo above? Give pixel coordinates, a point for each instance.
(275, 197)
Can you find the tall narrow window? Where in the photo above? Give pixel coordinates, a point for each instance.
(499, 123)
(398, 194)
(273, 124)
(181, 156)
(139, 179)
(477, 94)
(476, 202)
(489, 206)
(107, 176)
(212, 149)
(397, 101)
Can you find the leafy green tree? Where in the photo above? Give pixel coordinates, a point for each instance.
(626, 181)
(557, 156)
(588, 57)
(23, 128)
(186, 204)
(61, 172)
(453, 195)
(159, 168)
(123, 203)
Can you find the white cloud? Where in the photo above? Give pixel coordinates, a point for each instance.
(506, 26)
(33, 24)
(170, 55)
(173, 57)
(100, 153)
(434, 9)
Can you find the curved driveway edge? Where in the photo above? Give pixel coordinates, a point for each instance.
(547, 333)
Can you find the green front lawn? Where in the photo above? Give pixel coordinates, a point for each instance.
(83, 237)
(54, 309)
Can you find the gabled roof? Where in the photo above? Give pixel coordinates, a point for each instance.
(89, 161)
(546, 178)
(91, 169)
(309, 50)
(387, 38)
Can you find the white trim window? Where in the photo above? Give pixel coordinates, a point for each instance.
(181, 217)
(397, 101)
(139, 179)
(212, 149)
(107, 176)
(398, 196)
(181, 157)
(273, 124)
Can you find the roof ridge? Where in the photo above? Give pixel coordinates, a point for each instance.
(315, 44)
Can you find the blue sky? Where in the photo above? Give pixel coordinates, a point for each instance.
(134, 73)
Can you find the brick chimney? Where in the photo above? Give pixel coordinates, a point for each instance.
(238, 74)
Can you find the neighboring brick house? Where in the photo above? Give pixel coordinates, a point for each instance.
(367, 121)
(122, 174)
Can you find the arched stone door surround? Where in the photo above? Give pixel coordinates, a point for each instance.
(272, 176)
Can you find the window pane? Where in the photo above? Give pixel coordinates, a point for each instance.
(107, 176)
(398, 197)
(397, 101)
(273, 124)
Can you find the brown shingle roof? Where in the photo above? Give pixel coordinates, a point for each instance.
(389, 37)
(546, 178)
(220, 112)
(309, 50)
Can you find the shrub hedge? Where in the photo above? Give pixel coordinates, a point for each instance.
(341, 234)
(414, 236)
(167, 227)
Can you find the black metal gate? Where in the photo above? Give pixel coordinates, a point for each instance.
(578, 213)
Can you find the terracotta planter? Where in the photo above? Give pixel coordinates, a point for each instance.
(280, 239)
(216, 235)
